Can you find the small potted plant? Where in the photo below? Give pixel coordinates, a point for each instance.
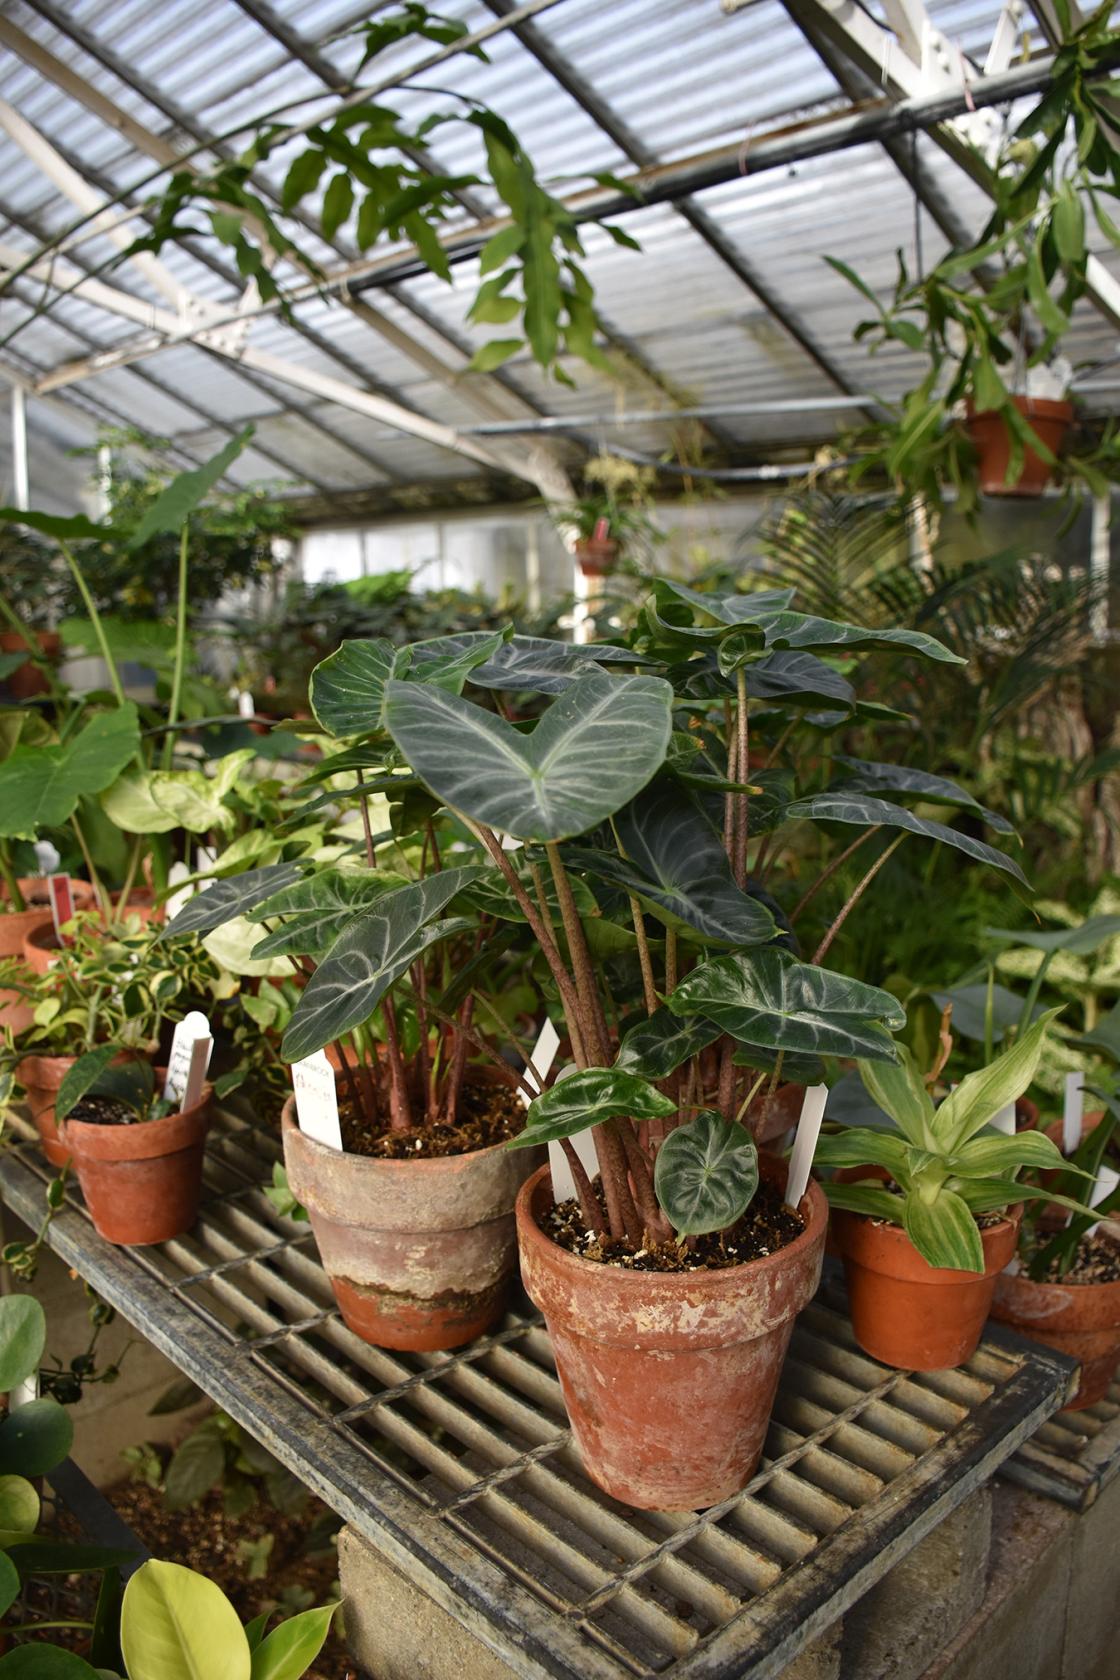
(612, 519)
(926, 1212)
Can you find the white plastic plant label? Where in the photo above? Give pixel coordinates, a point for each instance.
(245, 704)
(317, 1100)
(542, 1058)
(1107, 1180)
(805, 1143)
(196, 1074)
(62, 904)
(205, 857)
(178, 873)
(1073, 1110)
(47, 857)
(1004, 1121)
(189, 1030)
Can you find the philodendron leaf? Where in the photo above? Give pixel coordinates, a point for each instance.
(1074, 942)
(653, 1048)
(866, 776)
(35, 1438)
(729, 608)
(368, 958)
(790, 676)
(316, 910)
(449, 661)
(23, 1334)
(900, 1091)
(81, 1077)
(595, 747)
(980, 1095)
(944, 1231)
(675, 863)
(131, 805)
(40, 786)
(706, 1174)
(584, 1099)
(236, 896)
(179, 499)
(535, 664)
(868, 812)
(347, 690)
(290, 1649)
(177, 1625)
(802, 630)
(768, 998)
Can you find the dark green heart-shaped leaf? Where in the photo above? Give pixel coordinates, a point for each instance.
(595, 747)
(40, 786)
(368, 958)
(23, 1333)
(225, 900)
(537, 665)
(585, 1099)
(316, 910)
(865, 776)
(1079, 941)
(790, 629)
(653, 1048)
(448, 661)
(728, 607)
(790, 676)
(768, 998)
(348, 690)
(675, 863)
(867, 812)
(35, 1438)
(706, 1174)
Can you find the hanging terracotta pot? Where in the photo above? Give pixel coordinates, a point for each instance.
(141, 1182)
(420, 1254)
(992, 438)
(27, 680)
(905, 1312)
(669, 1377)
(597, 556)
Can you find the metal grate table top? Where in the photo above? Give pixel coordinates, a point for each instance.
(459, 1467)
(1074, 1456)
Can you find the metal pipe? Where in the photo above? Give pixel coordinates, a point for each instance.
(644, 416)
(21, 486)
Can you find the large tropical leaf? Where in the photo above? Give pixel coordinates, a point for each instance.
(595, 747)
(180, 498)
(178, 1625)
(706, 1174)
(347, 690)
(315, 911)
(226, 900)
(585, 1099)
(980, 1095)
(40, 786)
(944, 1231)
(803, 630)
(789, 675)
(449, 661)
(768, 998)
(729, 608)
(535, 664)
(868, 812)
(674, 861)
(866, 776)
(367, 959)
(653, 1048)
(1079, 941)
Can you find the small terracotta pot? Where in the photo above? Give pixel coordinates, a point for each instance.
(41, 947)
(905, 1312)
(27, 680)
(992, 438)
(141, 1183)
(420, 1254)
(669, 1377)
(16, 1012)
(597, 556)
(41, 1077)
(1079, 1319)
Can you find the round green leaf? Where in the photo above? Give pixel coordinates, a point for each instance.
(35, 1438)
(19, 1505)
(706, 1174)
(9, 1583)
(23, 1335)
(177, 1625)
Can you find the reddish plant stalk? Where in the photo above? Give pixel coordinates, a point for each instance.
(400, 1109)
(649, 990)
(423, 1066)
(513, 1079)
(726, 1098)
(458, 1060)
(348, 1077)
(854, 897)
(742, 766)
(596, 1037)
(433, 841)
(826, 875)
(621, 1212)
(371, 855)
(657, 1227)
(588, 1206)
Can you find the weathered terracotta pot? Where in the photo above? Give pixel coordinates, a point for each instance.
(1079, 1319)
(771, 1117)
(992, 438)
(28, 680)
(597, 556)
(905, 1312)
(141, 1183)
(41, 947)
(420, 1254)
(41, 1077)
(669, 1377)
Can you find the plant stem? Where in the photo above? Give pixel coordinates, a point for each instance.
(371, 855)
(95, 620)
(729, 798)
(621, 1212)
(655, 1224)
(423, 1061)
(94, 879)
(827, 874)
(458, 1060)
(750, 1096)
(854, 898)
(588, 1206)
(1033, 992)
(649, 990)
(363, 1044)
(180, 651)
(347, 1072)
(400, 1109)
(437, 861)
(512, 1078)
(742, 769)
(670, 961)
(726, 1098)
(594, 1027)
(11, 879)
(130, 874)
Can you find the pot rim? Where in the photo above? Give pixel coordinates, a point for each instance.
(724, 1281)
(378, 1163)
(76, 1132)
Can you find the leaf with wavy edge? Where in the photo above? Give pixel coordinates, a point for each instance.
(40, 785)
(585, 1099)
(532, 664)
(369, 957)
(730, 608)
(316, 910)
(347, 689)
(706, 1174)
(768, 998)
(867, 812)
(225, 900)
(654, 1048)
(866, 776)
(791, 629)
(595, 747)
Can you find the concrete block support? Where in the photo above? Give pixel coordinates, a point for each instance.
(1092, 1645)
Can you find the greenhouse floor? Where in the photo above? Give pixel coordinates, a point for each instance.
(475, 1545)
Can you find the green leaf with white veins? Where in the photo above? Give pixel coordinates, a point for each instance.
(595, 747)
(532, 664)
(802, 630)
(867, 812)
(706, 1174)
(368, 958)
(675, 863)
(225, 900)
(972, 1104)
(585, 1099)
(348, 689)
(317, 911)
(40, 786)
(654, 1048)
(728, 607)
(864, 776)
(768, 998)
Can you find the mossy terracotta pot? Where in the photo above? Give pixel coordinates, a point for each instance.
(905, 1312)
(420, 1254)
(669, 1377)
(142, 1182)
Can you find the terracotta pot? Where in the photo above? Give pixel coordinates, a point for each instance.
(770, 1117)
(16, 1012)
(28, 680)
(669, 1377)
(905, 1312)
(141, 903)
(1089, 1123)
(41, 947)
(597, 556)
(420, 1254)
(989, 432)
(141, 1183)
(1079, 1319)
(41, 1077)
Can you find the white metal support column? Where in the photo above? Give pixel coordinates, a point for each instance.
(21, 482)
(1100, 565)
